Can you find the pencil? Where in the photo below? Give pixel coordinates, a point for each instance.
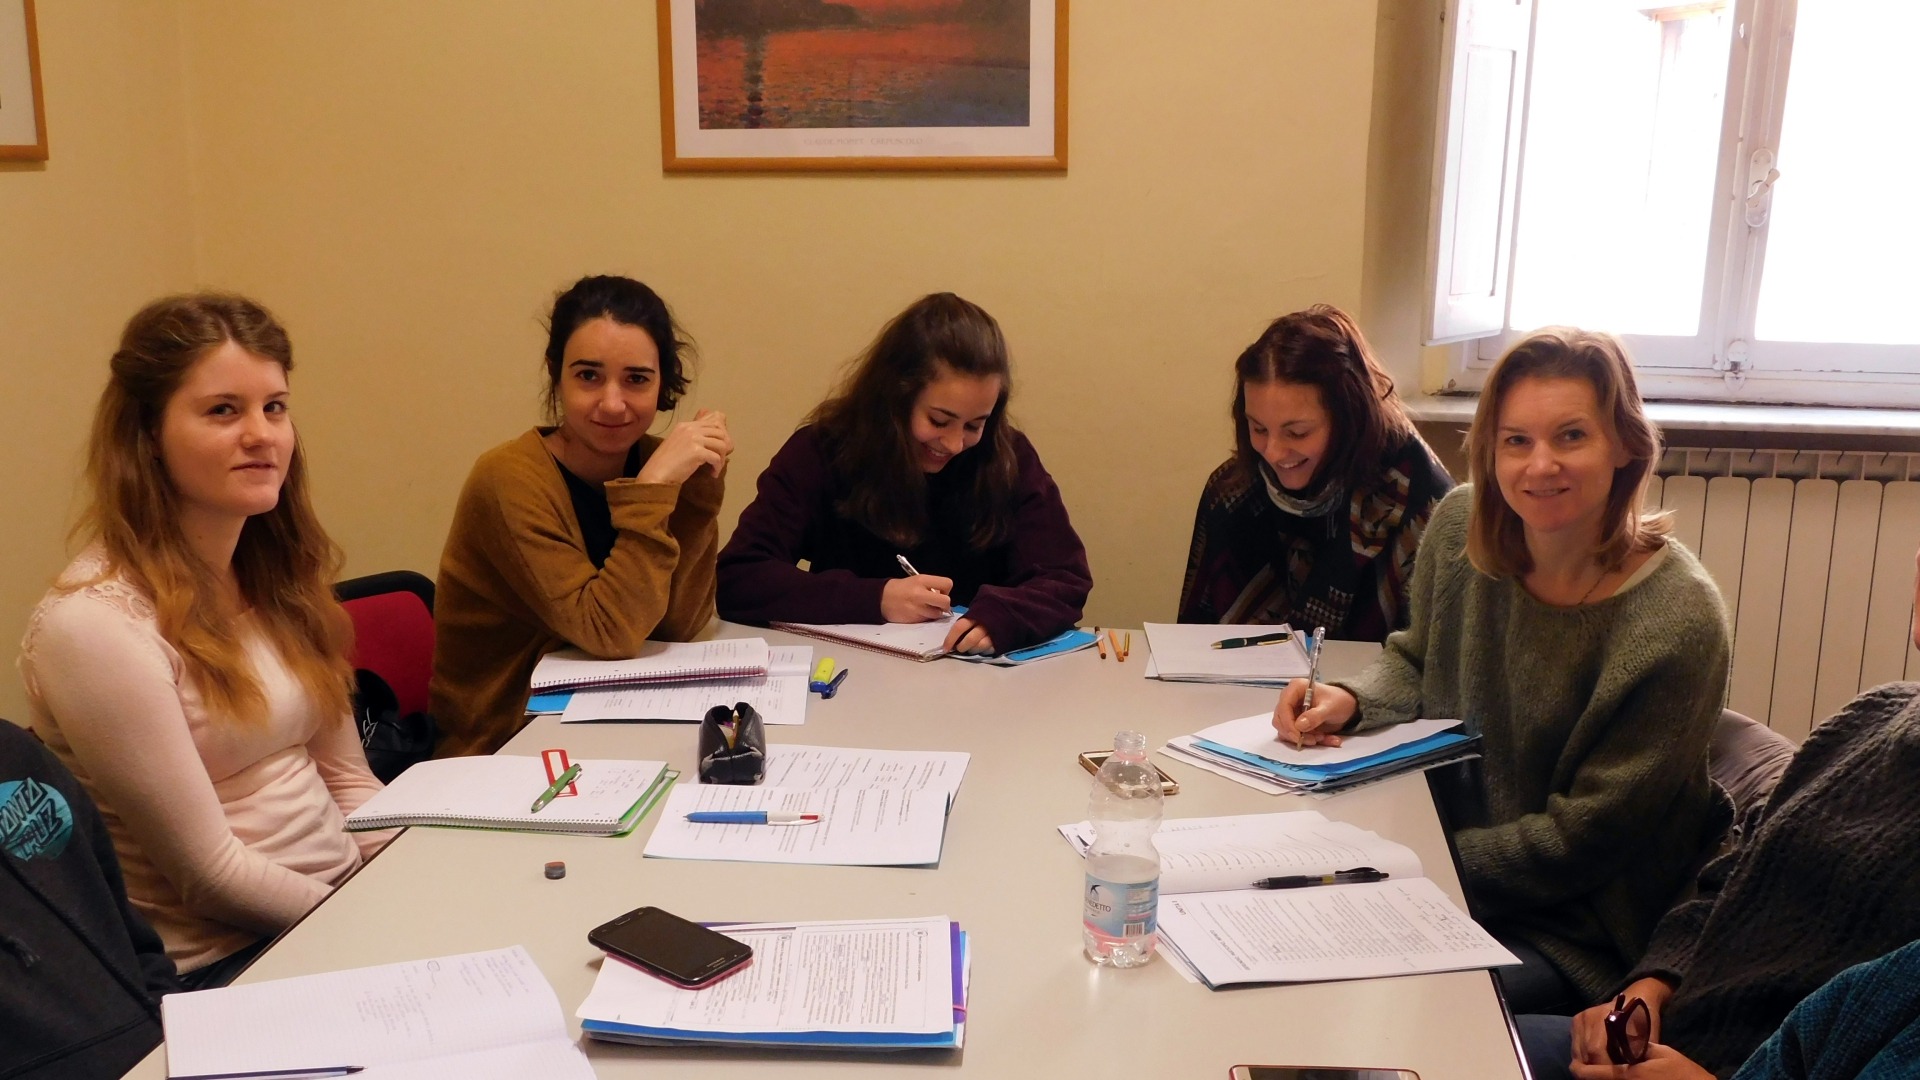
(1127, 649)
(1099, 644)
(1113, 639)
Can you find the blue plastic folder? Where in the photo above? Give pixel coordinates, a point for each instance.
(1058, 645)
(1324, 777)
(846, 1040)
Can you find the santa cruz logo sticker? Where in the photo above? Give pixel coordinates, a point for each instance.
(35, 820)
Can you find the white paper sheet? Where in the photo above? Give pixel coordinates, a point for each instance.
(859, 826)
(1255, 735)
(1184, 651)
(891, 976)
(837, 766)
(1399, 927)
(1217, 853)
(478, 1015)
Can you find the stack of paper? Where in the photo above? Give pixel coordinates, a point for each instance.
(868, 985)
(607, 799)
(1227, 932)
(479, 1016)
(876, 807)
(658, 662)
(1248, 750)
(779, 696)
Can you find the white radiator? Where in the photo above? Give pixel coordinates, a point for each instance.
(1814, 553)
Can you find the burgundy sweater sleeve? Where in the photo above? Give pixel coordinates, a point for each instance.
(1048, 579)
(759, 579)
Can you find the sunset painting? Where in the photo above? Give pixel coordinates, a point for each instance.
(863, 64)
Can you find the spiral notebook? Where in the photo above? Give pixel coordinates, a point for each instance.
(607, 799)
(658, 662)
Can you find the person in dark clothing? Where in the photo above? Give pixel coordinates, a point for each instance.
(913, 458)
(81, 973)
(1315, 519)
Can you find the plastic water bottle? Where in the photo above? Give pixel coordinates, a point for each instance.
(1123, 866)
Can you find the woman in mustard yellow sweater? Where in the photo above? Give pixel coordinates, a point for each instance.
(591, 532)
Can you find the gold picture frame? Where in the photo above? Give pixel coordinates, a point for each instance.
(23, 115)
(968, 85)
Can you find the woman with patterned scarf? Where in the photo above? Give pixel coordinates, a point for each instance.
(1315, 519)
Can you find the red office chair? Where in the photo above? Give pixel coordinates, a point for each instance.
(392, 638)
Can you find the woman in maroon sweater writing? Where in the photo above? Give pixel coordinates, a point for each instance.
(914, 457)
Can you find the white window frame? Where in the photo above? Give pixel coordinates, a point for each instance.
(1724, 361)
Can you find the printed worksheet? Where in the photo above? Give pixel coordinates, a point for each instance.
(880, 976)
(858, 826)
(836, 766)
(1397, 927)
(1215, 853)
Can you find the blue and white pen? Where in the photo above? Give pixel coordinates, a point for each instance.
(751, 817)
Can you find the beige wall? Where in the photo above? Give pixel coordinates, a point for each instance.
(408, 183)
(102, 227)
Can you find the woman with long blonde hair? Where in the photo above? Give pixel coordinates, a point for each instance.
(190, 665)
(1553, 615)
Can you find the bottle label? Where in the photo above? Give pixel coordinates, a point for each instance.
(1120, 909)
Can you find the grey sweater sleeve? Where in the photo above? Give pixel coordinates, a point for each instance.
(1389, 689)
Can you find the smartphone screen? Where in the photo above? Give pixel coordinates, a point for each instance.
(669, 946)
(1297, 1072)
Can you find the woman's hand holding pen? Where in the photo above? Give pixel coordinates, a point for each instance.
(920, 598)
(700, 441)
(1316, 726)
(968, 637)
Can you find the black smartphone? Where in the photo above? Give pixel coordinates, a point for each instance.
(1303, 1072)
(681, 952)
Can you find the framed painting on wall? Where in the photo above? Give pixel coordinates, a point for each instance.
(23, 121)
(863, 84)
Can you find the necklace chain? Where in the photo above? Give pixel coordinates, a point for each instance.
(1590, 589)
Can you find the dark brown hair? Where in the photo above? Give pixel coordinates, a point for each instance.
(1496, 537)
(285, 563)
(1323, 348)
(865, 424)
(629, 303)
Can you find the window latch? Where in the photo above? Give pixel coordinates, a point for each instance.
(1733, 365)
(1760, 177)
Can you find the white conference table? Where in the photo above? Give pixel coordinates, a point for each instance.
(1038, 1007)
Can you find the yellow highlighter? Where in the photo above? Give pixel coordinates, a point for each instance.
(822, 675)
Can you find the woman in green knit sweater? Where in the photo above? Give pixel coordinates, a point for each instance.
(1587, 649)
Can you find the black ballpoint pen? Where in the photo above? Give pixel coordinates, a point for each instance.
(1355, 876)
(1263, 639)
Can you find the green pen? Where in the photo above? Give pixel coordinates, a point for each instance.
(559, 785)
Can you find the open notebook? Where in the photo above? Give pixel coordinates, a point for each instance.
(1229, 932)
(497, 792)
(478, 1016)
(915, 641)
(659, 661)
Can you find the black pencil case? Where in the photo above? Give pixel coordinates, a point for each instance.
(741, 759)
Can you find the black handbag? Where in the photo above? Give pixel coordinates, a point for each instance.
(733, 745)
(392, 741)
